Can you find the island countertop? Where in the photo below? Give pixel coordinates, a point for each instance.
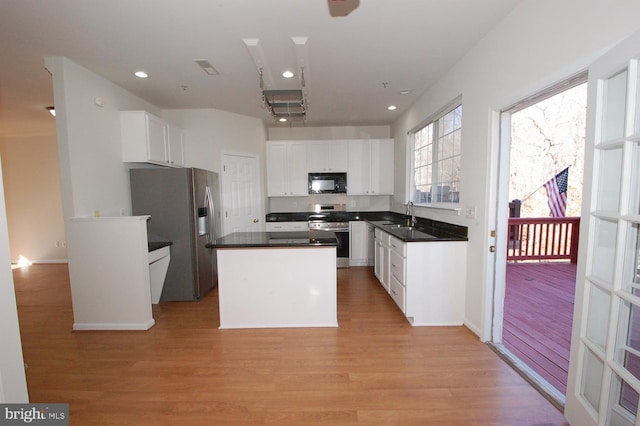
(275, 239)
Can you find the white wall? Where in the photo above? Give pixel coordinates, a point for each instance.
(210, 132)
(13, 382)
(329, 132)
(92, 174)
(32, 190)
(540, 43)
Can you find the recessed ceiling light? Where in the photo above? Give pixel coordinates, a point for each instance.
(404, 92)
(141, 74)
(282, 120)
(287, 74)
(391, 107)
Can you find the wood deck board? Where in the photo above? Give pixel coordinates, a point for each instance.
(538, 315)
(373, 369)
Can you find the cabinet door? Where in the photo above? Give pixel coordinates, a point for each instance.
(156, 148)
(359, 164)
(277, 184)
(377, 255)
(337, 156)
(297, 169)
(358, 243)
(382, 167)
(175, 145)
(327, 156)
(318, 156)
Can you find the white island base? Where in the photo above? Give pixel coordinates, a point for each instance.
(277, 287)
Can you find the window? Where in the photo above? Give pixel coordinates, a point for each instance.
(436, 153)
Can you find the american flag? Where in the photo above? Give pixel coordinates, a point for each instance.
(557, 193)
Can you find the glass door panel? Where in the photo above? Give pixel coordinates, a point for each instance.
(603, 257)
(609, 175)
(591, 379)
(631, 274)
(614, 107)
(634, 206)
(623, 404)
(637, 117)
(598, 316)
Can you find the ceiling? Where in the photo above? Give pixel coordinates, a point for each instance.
(354, 66)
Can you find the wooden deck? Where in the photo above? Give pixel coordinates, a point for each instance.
(538, 314)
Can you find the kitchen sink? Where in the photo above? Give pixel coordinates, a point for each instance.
(406, 232)
(398, 226)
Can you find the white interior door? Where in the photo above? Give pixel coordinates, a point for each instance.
(241, 194)
(604, 371)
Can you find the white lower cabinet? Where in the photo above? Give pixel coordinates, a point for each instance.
(358, 243)
(398, 293)
(381, 262)
(425, 279)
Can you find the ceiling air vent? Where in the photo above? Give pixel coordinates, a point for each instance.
(206, 66)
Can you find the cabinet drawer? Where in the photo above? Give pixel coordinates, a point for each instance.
(382, 237)
(396, 266)
(398, 293)
(287, 226)
(397, 246)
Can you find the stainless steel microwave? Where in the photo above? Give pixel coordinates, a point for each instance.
(327, 183)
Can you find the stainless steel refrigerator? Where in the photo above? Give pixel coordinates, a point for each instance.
(184, 208)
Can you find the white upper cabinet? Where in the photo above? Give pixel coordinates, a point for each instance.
(175, 145)
(370, 170)
(327, 156)
(148, 139)
(287, 169)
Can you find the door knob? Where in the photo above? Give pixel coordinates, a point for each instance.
(256, 220)
(492, 249)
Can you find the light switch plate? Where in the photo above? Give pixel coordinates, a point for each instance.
(471, 212)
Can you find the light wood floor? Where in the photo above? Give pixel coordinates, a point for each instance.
(373, 369)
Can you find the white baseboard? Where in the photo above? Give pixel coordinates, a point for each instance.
(113, 326)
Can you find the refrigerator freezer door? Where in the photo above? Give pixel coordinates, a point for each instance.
(205, 257)
(171, 196)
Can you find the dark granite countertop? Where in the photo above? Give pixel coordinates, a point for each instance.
(415, 233)
(424, 230)
(155, 245)
(275, 239)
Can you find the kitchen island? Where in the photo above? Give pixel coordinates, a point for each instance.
(277, 279)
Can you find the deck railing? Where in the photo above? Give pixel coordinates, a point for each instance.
(543, 238)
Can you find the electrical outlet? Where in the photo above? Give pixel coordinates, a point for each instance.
(471, 212)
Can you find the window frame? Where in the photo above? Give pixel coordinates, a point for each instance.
(436, 162)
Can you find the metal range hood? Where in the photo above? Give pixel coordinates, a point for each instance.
(287, 104)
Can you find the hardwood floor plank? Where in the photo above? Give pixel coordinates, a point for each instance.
(373, 369)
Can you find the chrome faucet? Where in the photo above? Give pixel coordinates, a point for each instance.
(411, 210)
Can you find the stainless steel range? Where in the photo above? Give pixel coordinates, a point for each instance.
(332, 218)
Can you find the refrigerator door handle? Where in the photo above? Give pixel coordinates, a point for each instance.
(208, 199)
